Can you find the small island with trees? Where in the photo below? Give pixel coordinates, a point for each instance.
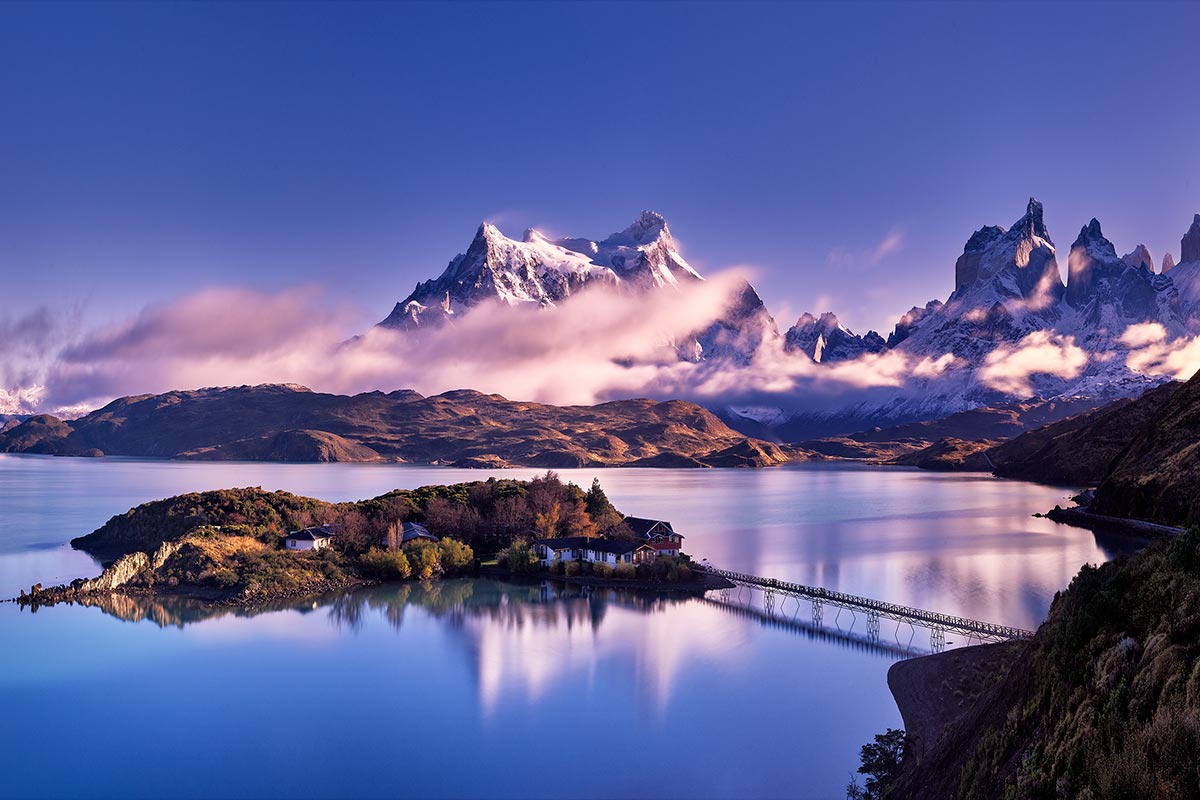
(249, 546)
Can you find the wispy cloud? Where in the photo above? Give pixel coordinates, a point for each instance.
(1152, 353)
(844, 257)
(601, 344)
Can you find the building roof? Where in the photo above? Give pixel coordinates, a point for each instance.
(415, 530)
(642, 527)
(311, 534)
(599, 544)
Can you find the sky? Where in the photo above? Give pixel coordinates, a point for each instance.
(842, 152)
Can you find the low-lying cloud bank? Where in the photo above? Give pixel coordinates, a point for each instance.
(607, 344)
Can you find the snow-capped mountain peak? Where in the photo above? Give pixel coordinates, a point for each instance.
(824, 339)
(538, 270)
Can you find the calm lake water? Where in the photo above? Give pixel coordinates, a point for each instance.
(490, 689)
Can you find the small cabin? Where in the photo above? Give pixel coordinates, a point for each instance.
(657, 533)
(309, 538)
(413, 532)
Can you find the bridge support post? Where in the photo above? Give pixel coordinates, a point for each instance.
(937, 639)
(873, 626)
(769, 601)
(817, 611)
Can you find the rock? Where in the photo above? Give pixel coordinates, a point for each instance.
(1189, 245)
(966, 269)
(825, 340)
(1140, 258)
(1168, 262)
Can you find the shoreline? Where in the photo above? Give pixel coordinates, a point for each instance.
(1080, 517)
(54, 595)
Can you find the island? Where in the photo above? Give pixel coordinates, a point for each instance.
(250, 546)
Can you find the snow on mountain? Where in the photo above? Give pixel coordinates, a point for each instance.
(1011, 328)
(537, 270)
(1015, 330)
(825, 339)
(1186, 274)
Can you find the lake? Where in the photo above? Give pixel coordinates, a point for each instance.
(483, 688)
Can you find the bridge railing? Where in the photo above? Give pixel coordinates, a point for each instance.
(883, 608)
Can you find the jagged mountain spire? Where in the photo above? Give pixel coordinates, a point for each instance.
(1140, 258)
(1189, 245)
(1017, 264)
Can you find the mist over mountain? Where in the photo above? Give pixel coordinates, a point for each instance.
(1011, 328)
(582, 321)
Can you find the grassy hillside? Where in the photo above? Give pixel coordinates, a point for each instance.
(1103, 703)
(1157, 476)
(466, 428)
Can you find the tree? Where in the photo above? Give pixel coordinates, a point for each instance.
(386, 564)
(576, 521)
(603, 513)
(448, 518)
(546, 521)
(518, 557)
(881, 764)
(455, 556)
(425, 558)
(355, 532)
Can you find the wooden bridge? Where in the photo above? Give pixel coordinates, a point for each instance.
(937, 623)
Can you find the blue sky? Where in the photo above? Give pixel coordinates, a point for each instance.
(150, 150)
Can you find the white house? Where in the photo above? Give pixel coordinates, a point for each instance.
(309, 538)
(593, 550)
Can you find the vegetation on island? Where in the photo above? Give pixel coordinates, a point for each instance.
(1104, 702)
(229, 544)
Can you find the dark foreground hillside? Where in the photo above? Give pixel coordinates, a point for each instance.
(1103, 703)
(462, 428)
(1157, 477)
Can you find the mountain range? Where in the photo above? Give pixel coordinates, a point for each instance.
(1008, 296)
(459, 428)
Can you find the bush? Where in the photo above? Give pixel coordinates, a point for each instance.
(518, 557)
(572, 568)
(625, 571)
(602, 570)
(425, 558)
(557, 567)
(455, 556)
(386, 565)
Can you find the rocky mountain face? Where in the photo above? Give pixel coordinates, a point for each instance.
(536, 270)
(464, 428)
(1008, 293)
(825, 339)
(1008, 287)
